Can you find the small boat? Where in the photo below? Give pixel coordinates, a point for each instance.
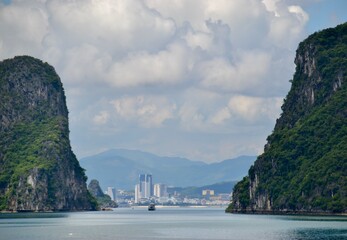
(151, 207)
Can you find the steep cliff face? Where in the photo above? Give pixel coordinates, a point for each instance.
(39, 171)
(304, 164)
(95, 189)
(102, 200)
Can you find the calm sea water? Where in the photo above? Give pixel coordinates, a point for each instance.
(168, 223)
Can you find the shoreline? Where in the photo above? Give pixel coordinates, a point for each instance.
(48, 211)
(288, 213)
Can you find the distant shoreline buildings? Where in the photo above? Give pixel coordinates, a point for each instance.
(160, 190)
(146, 191)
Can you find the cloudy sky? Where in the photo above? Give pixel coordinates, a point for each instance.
(202, 79)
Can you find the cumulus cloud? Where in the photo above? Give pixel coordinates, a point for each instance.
(221, 116)
(246, 73)
(101, 118)
(23, 26)
(119, 26)
(147, 111)
(255, 109)
(85, 64)
(185, 67)
(168, 66)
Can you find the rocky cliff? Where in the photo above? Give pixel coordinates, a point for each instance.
(95, 189)
(304, 164)
(103, 200)
(38, 170)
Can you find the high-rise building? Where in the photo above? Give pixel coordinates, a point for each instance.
(144, 189)
(160, 190)
(149, 186)
(111, 191)
(142, 183)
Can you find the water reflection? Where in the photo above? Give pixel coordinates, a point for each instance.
(33, 215)
(315, 218)
(317, 234)
(167, 224)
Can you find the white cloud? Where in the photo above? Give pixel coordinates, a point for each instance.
(201, 40)
(287, 25)
(147, 111)
(168, 66)
(190, 69)
(271, 6)
(221, 116)
(246, 73)
(101, 118)
(197, 110)
(253, 109)
(23, 25)
(85, 64)
(118, 26)
(191, 118)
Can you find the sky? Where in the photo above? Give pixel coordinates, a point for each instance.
(202, 79)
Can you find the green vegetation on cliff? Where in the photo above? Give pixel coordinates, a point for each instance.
(24, 146)
(304, 165)
(38, 170)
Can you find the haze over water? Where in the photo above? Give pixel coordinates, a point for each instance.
(169, 223)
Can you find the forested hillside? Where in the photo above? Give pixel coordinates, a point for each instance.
(304, 165)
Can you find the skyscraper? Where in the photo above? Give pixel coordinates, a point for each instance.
(149, 186)
(145, 186)
(142, 183)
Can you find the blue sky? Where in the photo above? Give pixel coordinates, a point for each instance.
(325, 13)
(201, 79)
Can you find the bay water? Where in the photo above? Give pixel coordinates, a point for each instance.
(169, 223)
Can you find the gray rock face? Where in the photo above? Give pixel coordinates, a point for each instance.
(38, 170)
(95, 189)
(31, 91)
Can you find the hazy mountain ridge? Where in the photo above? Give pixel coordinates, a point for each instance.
(120, 168)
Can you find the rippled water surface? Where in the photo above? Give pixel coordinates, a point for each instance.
(169, 223)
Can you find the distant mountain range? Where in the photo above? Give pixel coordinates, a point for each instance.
(120, 168)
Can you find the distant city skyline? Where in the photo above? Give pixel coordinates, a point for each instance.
(146, 191)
